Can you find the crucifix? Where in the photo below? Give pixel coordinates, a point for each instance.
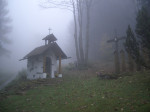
(49, 30)
(117, 62)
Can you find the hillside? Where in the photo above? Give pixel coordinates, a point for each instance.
(87, 93)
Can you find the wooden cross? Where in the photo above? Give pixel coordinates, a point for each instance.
(60, 64)
(116, 40)
(49, 30)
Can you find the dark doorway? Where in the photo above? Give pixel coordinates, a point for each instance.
(48, 66)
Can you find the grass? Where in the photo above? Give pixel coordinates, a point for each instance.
(86, 93)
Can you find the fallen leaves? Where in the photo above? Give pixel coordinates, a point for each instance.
(82, 107)
(28, 99)
(122, 109)
(66, 103)
(92, 104)
(130, 81)
(103, 97)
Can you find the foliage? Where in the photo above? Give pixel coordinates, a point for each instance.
(143, 27)
(143, 30)
(132, 48)
(131, 44)
(75, 66)
(4, 27)
(70, 66)
(130, 93)
(22, 75)
(145, 3)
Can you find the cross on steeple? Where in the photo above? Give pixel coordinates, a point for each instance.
(49, 30)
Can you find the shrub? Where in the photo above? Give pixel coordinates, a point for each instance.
(22, 75)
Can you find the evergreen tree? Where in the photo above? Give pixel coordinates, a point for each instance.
(4, 26)
(143, 30)
(132, 48)
(146, 3)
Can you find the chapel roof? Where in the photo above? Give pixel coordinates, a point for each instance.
(40, 50)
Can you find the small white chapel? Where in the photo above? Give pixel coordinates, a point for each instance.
(42, 61)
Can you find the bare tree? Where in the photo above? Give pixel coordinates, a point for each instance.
(88, 8)
(77, 7)
(75, 30)
(80, 20)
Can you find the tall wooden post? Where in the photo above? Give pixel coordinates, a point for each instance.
(60, 64)
(44, 64)
(123, 64)
(117, 64)
(116, 53)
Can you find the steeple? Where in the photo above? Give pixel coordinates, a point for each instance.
(50, 38)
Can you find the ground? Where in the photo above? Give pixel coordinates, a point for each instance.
(80, 92)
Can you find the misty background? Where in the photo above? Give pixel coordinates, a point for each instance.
(109, 18)
(30, 24)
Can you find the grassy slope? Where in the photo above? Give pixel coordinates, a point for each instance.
(83, 94)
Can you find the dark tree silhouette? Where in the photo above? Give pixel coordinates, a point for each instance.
(132, 48)
(4, 27)
(143, 29)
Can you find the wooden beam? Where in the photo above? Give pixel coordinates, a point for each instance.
(44, 64)
(60, 64)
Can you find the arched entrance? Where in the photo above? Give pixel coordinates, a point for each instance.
(48, 67)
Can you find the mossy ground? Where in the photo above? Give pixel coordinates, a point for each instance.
(79, 92)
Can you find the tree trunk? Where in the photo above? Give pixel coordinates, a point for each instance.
(123, 64)
(81, 45)
(80, 17)
(117, 59)
(75, 32)
(87, 33)
(117, 64)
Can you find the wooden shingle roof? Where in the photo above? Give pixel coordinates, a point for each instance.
(40, 50)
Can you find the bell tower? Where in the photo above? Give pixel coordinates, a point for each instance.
(49, 38)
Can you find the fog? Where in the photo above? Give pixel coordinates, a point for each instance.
(98, 62)
(30, 24)
(107, 18)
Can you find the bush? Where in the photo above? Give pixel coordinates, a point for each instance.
(69, 67)
(22, 75)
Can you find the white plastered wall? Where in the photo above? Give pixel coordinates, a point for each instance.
(35, 66)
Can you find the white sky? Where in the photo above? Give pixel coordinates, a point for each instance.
(30, 24)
